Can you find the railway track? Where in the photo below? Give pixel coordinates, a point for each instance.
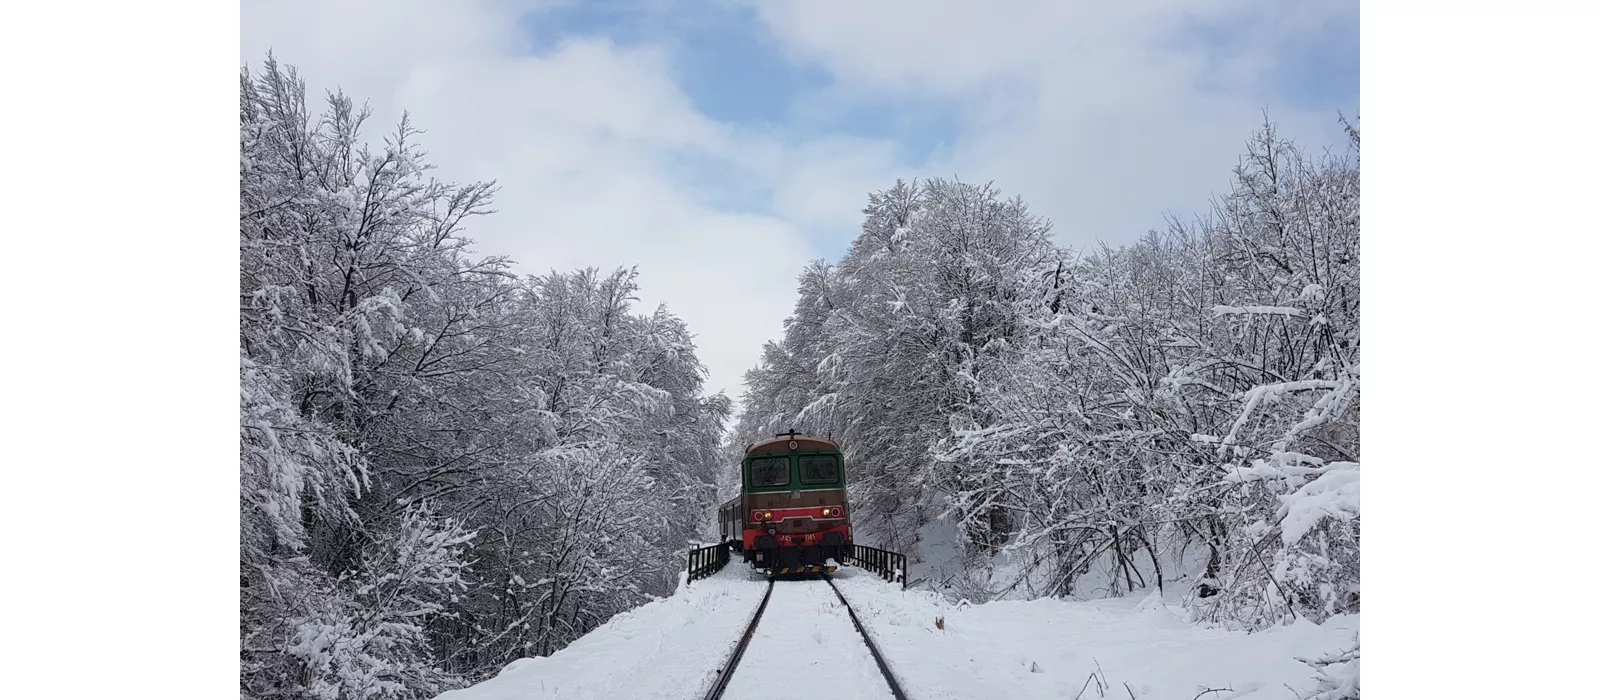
(790, 677)
(725, 674)
(883, 667)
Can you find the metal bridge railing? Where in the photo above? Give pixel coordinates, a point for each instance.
(890, 565)
(706, 561)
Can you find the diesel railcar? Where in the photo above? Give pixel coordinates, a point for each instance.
(790, 515)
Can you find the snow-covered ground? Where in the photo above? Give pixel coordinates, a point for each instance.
(805, 648)
(1136, 646)
(667, 649)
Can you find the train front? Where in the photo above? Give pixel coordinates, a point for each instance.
(795, 516)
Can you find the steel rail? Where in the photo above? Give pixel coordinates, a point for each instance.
(726, 672)
(883, 667)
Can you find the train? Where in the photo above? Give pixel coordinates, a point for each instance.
(791, 515)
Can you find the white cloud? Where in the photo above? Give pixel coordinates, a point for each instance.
(1091, 111)
(588, 142)
(1102, 115)
(826, 183)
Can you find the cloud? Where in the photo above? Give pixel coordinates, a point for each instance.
(1102, 116)
(592, 117)
(602, 160)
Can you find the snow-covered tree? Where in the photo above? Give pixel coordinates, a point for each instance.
(1103, 412)
(882, 349)
(434, 450)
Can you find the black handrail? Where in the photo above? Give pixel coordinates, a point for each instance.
(705, 561)
(890, 565)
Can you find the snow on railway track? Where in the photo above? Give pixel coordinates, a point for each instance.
(806, 646)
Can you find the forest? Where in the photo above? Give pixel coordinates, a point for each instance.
(447, 465)
(444, 466)
(1196, 391)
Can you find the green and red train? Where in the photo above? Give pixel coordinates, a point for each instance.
(791, 514)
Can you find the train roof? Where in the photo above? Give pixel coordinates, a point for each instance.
(802, 443)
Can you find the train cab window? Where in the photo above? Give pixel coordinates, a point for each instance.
(769, 471)
(819, 469)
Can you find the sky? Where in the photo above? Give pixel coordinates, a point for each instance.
(719, 145)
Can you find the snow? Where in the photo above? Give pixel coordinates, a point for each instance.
(938, 556)
(1138, 645)
(1336, 493)
(1224, 310)
(805, 643)
(1341, 675)
(670, 648)
(1314, 292)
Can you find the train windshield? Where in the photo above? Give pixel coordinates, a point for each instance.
(819, 469)
(769, 471)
